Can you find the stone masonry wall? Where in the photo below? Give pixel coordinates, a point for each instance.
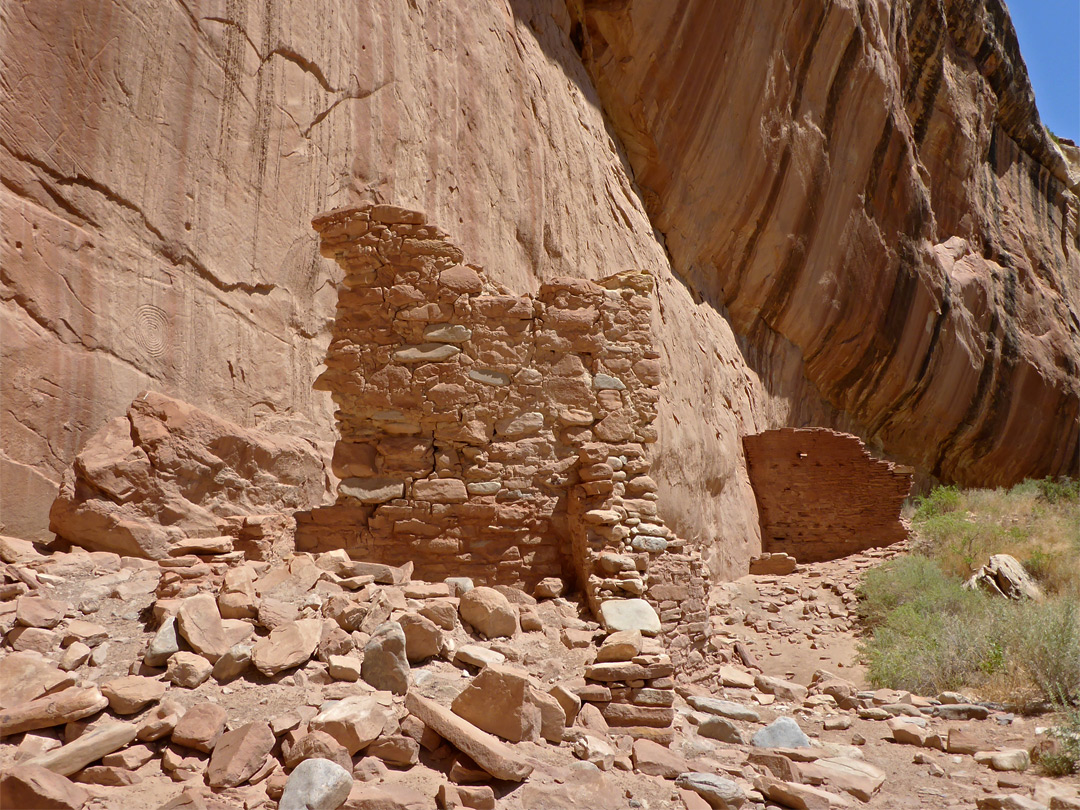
(821, 495)
(495, 435)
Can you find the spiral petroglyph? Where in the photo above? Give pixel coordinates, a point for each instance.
(152, 329)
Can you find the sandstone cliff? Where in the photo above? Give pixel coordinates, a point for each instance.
(862, 194)
(869, 182)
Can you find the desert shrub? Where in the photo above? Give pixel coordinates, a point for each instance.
(1065, 759)
(1058, 490)
(939, 501)
(1036, 521)
(1045, 640)
(927, 633)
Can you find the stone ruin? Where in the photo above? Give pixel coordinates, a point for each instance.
(821, 495)
(497, 435)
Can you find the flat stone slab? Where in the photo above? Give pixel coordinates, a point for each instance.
(629, 614)
(487, 750)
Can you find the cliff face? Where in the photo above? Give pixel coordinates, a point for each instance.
(870, 182)
(862, 193)
(161, 166)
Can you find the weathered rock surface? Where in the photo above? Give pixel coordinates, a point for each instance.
(888, 187)
(167, 470)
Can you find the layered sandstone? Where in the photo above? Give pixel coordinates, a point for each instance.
(869, 183)
(157, 198)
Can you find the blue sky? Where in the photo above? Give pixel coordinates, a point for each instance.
(1049, 33)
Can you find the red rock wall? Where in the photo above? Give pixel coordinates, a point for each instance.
(868, 183)
(821, 495)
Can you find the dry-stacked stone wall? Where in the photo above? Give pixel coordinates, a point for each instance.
(821, 495)
(495, 435)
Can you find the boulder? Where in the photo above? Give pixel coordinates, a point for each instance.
(199, 622)
(629, 614)
(620, 646)
(316, 784)
(653, 759)
(489, 612)
(52, 710)
(201, 727)
(187, 669)
(239, 754)
(723, 708)
(33, 786)
(490, 753)
(158, 457)
(721, 793)
(317, 745)
(355, 722)
(90, 747)
(385, 666)
(132, 693)
(498, 700)
(423, 639)
(1003, 575)
(783, 732)
(288, 645)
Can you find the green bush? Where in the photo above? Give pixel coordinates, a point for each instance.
(1066, 734)
(1059, 491)
(939, 501)
(930, 634)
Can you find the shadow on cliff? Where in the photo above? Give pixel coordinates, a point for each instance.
(774, 360)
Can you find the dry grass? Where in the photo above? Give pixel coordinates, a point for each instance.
(1038, 522)
(927, 633)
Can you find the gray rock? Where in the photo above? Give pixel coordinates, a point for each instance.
(781, 733)
(605, 382)
(724, 708)
(372, 490)
(316, 784)
(719, 728)
(164, 643)
(459, 585)
(629, 614)
(385, 666)
(719, 792)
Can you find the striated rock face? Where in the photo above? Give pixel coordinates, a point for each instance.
(861, 194)
(870, 183)
(167, 472)
(157, 198)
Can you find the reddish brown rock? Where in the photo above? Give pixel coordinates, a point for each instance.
(906, 186)
(488, 751)
(317, 745)
(158, 457)
(201, 727)
(52, 710)
(32, 786)
(132, 693)
(239, 754)
(499, 701)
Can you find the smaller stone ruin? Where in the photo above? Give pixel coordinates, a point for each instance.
(822, 496)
